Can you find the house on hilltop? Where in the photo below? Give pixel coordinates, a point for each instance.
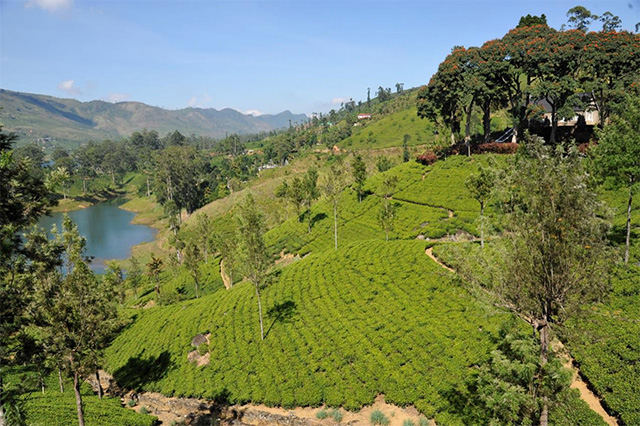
(589, 112)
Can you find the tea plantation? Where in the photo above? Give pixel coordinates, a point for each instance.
(53, 408)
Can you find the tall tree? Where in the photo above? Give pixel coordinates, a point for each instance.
(192, 259)
(387, 215)
(81, 316)
(134, 275)
(203, 229)
(617, 155)
(359, 170)
(154, 267)
(531, 20)
(481, 186)
(311, 193)
(256, 259)
(23, 199)
(556, 257)
(333, 185)
(580, 18)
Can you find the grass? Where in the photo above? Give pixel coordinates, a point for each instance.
(390, 130)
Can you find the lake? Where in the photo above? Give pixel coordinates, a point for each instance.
(108, 230)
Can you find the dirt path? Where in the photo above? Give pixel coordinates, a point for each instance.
(592, 400)
(577, 383)
(226, 279)
(429, 253)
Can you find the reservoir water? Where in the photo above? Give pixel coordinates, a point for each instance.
(108, 230)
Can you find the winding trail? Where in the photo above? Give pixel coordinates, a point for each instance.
(226, 279)
(592, 400)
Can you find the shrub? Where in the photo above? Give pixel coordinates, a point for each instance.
(428, 158)
(336, 415)
(322, 414)
(408, 422)
(143, 410)
(378, 418)
(131, 403)
(497, 148)
(423, 421)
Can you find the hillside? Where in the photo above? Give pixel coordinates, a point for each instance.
(343, 326)
(69, 121)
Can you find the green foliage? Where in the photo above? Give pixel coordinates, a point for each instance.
(131, 403)
(322, 414)
(378, 418)
(143, 410)
(359, 171)
(336, 415)
(384, 303)
(408, 422)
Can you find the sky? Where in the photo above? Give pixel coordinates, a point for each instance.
(256, 57)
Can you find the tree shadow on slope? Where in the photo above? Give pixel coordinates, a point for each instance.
(139, 371)
(281, 312)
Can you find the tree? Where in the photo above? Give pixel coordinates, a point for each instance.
(256, 259)
(580, 18)
(481, 186)
(610, 22)
(59, 177)
(617, 156)
(282, 192)
(359, 170)
(386, 216)
(115, 279)
(556, 256)
(154, 267)
(399, 87)
(80, 314)
(23, 199)
(203, 235)
(406, 155)
(503, 391)
(531, 20)
(192, 259)
(134, 275)
(333, 185)
(311, 192)
(383, 163)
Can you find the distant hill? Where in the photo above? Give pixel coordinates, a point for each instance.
(69, 121)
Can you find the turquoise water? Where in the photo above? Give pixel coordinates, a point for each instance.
(108, 230)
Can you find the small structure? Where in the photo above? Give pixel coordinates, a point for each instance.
(590, 114)
(364, 116)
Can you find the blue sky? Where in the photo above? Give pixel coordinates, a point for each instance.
(264, 56)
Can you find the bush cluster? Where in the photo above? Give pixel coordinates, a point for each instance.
(497, 148)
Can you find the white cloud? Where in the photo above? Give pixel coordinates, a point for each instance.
(338, 101)
(117, 97)
(253, 112)
(199, 102)
(69, 87)
(50, 5)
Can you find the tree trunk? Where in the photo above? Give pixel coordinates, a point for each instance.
(544, 356)
(60, 381)
(467, 128)
(335, 224)
(1, 405)
(100, 391)
(84, 186)
(260, 313)
(76, 389)
(148, 189)
(554, 124)
(195, 278)
(626, 249)
(482, 225)
(486, 119)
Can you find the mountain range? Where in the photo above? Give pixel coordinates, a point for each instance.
(70, 122)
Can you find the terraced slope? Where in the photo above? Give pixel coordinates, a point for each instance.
(372, 318)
